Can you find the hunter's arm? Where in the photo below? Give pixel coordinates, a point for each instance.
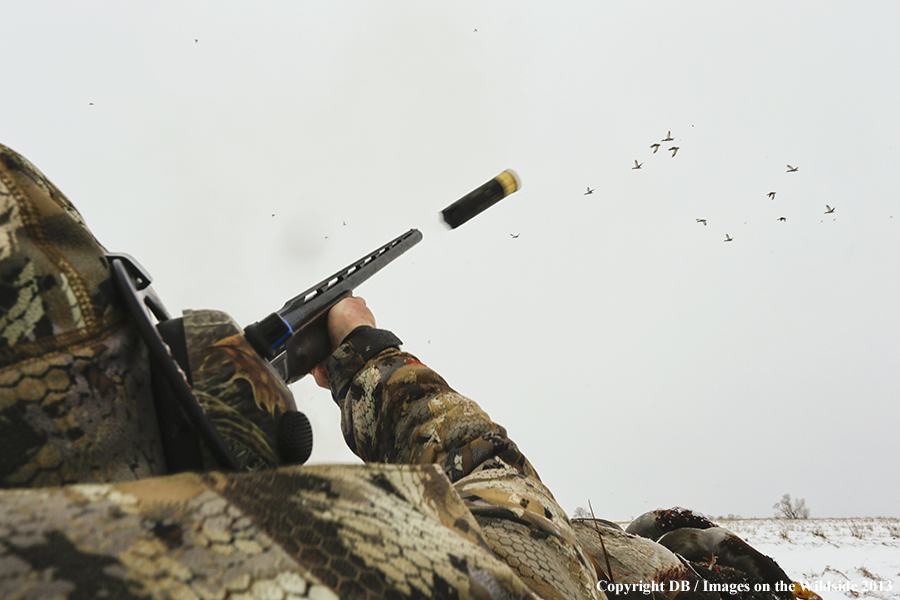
(395, 409)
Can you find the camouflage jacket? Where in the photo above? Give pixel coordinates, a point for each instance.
(445, 506)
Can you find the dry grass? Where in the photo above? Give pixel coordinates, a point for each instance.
(866, 573)
(857, 529)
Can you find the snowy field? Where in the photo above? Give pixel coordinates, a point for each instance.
(853, 558)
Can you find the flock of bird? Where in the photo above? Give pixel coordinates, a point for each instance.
(674, 150)
(656, 146)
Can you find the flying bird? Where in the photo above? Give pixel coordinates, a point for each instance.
(782, 218)
(829, 211)
(589, 191)
(655, 147)
(637, 165)
(669, 137)
(771, 195)
(728, 238)
(702, 221)
(791, 169)
(514, 236)
(674, 150)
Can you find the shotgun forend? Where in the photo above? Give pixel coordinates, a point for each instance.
(295, 338)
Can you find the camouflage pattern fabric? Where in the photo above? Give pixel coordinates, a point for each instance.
(75, 393)
(374, 531)
(75, 401)
(239, 390)
(395, 409)
(379, 531)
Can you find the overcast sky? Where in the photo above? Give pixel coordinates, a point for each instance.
(245, 151)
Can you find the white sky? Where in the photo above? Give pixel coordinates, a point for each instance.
(637, 359)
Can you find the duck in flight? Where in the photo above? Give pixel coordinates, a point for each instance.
(655, 147)
(674, 150)
(791, 169)
(669, 137)
(702, 221)
(728, 238)
(589, 191)
(771, 195)
(829, 211)
(637, 165)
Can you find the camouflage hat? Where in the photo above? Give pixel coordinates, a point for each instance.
(75, 403)
(55, 290)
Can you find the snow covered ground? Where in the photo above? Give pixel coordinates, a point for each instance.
(853, 558)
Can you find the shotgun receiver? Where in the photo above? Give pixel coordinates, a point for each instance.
(295, 338)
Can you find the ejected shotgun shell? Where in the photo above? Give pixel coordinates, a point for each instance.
(481, 199)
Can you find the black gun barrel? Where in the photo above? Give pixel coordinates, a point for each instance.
(269, 336)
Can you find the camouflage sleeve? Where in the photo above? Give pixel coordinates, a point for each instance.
(395, 409)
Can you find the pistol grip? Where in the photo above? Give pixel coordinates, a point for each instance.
(307, 347)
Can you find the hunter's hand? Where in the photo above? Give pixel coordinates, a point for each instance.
(344, 317)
